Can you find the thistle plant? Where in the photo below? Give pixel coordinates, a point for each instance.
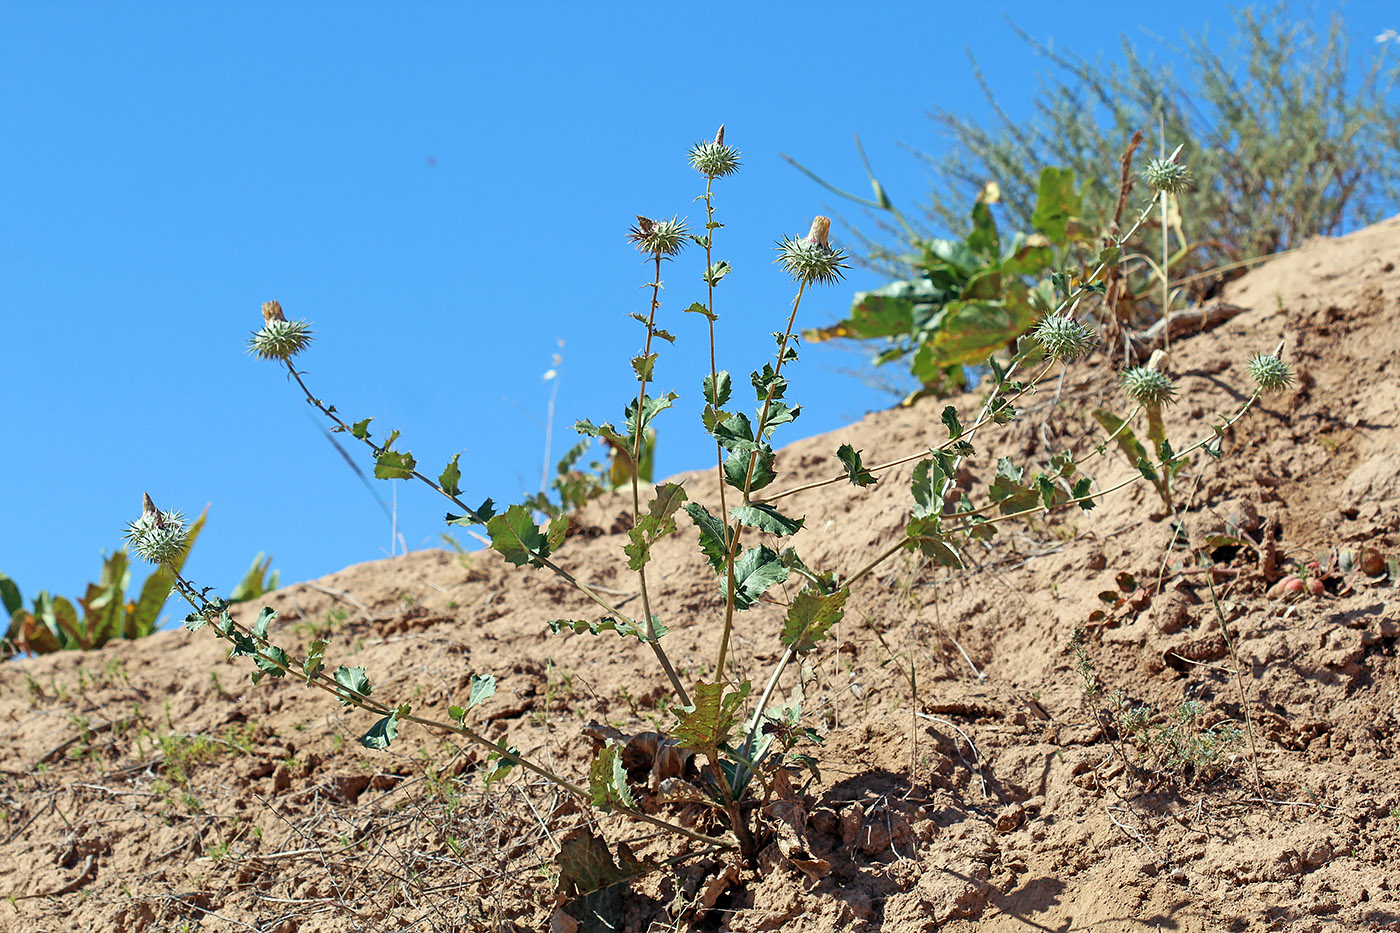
(742, 736)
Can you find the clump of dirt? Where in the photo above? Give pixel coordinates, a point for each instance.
(1053, 738)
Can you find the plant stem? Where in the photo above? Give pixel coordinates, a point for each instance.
(733, 551)
(352, 698)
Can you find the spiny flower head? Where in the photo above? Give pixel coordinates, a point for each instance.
(1168, 175)
(715, 159)
(157, 536)
(811, 259)
(1148, 386)
(1064, 338)
(657, 237)
(279, 339)
(1270, 373)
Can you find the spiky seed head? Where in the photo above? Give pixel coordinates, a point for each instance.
(658, 237)
(714, 159)
(1064, 338)
(1148, 387)
(1168, 175)
(279, 339)
(1270, 373)
(157, 536)
(811, 260)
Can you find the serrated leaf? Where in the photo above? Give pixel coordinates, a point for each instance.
(1046, 488)
(737, 468)
(735, 434)
(450, 477)
(650, 407)
(264, 619)
(855, 469)
(505, 766)
(926, 535)
(768, 383)
(196, 621)
(766, 518)
(950, 420)
(713, 534)
(665, 335)
(698, 308)
(516, 537)
(707, 725)
(607, 779)
(1008, 491)
(716, 273)
(273, 661)
(810, 616)
(1082, 487)
(315, 659)
(755, 572)
(643, 365)
(354, 679)
(360, 429)
(558, 529)
(716, 388)
(779, 414)
(1145, 468)
(658, 522)
(925, 487)
(626, 629)
(483, 688)
(394, 464)
(383, 732)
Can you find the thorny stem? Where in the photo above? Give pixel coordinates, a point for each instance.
(733, 551)
(346, 695)
(636, 487)
(564, 575)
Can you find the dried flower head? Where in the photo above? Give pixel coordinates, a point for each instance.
(1270, 373)
(657, 237)
(1168, 175)
(157, 536)
(714, 159)
(279, 339)
(1064, 338)
(1148, 387)
(811, 259)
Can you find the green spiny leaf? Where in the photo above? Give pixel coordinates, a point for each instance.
(354, 679)
(810, 616)
(607, 779)
(716, 389)
(1082, 487)
(698, 308)
(643, 365)
(515, 535)
(736, 468)
(756, 570)
(383, 732)
(926, 535)
(265, 618)
(394, 464)
(482, 688)
(315, 659)
(950, 420)
(713, 534)
(926, 486)
(855, 470)
(450, 477)
(766, 518)
(360, 429)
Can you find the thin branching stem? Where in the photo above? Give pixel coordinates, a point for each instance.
(639, 430)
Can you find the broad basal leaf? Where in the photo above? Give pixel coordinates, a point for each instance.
(707, 725)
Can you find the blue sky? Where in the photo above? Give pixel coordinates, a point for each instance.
(444, 190)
